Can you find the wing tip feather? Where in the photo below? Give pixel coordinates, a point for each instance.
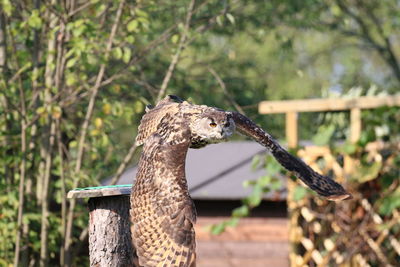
(340, 197)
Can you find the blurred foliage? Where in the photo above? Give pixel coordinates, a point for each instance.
(271, 182)
(363, 230)
(75, 77)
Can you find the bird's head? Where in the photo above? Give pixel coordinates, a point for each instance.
(212, 126)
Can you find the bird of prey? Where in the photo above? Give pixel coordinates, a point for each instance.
(162, 211)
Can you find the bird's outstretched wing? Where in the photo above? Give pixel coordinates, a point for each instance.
(162, 212)
(323, 185)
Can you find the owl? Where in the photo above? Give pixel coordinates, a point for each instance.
(162, 212)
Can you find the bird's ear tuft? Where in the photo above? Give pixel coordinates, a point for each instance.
(148, 108)
(174, 98)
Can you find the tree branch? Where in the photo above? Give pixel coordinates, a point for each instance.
(45, 200)
(225, 91)
(63, 192)
(179, 50)
(390, 56)
(21, 190)
(79, 9)
(123, 164)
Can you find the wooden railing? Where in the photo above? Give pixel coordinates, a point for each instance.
(293, 107)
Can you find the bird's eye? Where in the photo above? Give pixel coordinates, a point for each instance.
(213, 124)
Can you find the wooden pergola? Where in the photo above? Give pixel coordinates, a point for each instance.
(293, 107)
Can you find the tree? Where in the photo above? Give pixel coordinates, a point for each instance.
(65, 67)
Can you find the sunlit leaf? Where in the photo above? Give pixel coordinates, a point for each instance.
(34, 20)
(241, 211)
(7, 7)
(106, 108)
(175, 38)
(127, 55)
(217, 229)
(133, 25)
(117, 52)
(98, 122)
(230, 17)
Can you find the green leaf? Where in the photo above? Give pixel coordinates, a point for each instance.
(217, 229)
(336, 10)
(127, 55)
(132, 25)
(41, 110)
(230, 18)
(220, 20)
(117, 53)
(265, 180)
(367, 172)
(73, 144)
(273, 167)
(71, 62)
(141, 13)
(254, 199)
(299, 193)
(130, 39)
(7, 7)
(175, 38)
(324, 135)
(349, 148)
(276, 184)
(138, 106)
(70, 79)
(104, 140)
(232, 222)
(34, 20)
(241, 211)
(255, 162)
(390, 203)
(248, 183)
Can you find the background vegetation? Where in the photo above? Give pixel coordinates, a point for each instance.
(75, 77)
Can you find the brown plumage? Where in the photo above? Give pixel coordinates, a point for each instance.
(162, 211)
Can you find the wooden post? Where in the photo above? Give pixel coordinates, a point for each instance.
(355, 124)
(110, 241)
(292, 140)
(355, 133)
(291, 129)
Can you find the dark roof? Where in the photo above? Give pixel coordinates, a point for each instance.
(218, 171)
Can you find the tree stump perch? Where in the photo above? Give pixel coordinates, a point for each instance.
(110, 242)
